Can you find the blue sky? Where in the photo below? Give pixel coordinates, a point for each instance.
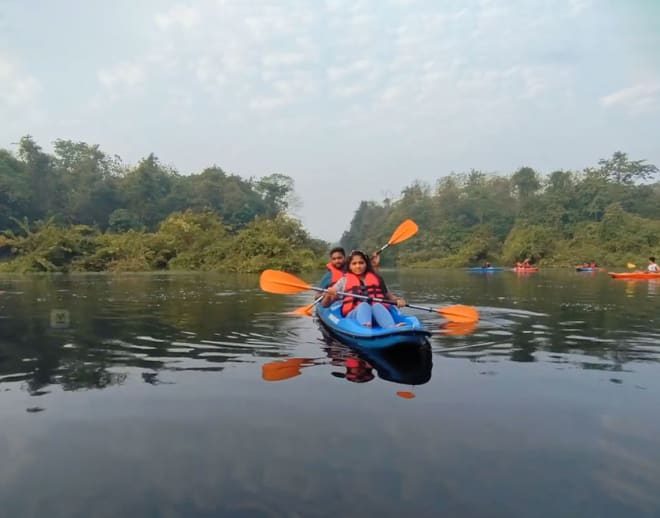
(353, 99)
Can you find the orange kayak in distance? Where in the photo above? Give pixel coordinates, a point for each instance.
(635, 275)
(530, 269)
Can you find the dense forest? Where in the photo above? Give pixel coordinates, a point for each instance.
(79, 209)
(609, 213)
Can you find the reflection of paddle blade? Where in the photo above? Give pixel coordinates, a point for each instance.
(405, 394)
(282, 370)
(459, 328)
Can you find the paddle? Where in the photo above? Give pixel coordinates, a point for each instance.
(284, 283)
(404, 231)
(631, 265)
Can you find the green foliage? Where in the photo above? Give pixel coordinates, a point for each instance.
(601, 214)
(80, 184)
(280, 243)
(532, 242)
(184, 241)
(47, 247)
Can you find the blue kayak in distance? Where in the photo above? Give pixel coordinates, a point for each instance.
(486, 269)
(350, 332)
(586, 269)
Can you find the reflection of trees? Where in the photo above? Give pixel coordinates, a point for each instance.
(109, 314)
(77, 375)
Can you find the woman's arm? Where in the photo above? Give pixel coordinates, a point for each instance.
(390, 296)
(331, 293)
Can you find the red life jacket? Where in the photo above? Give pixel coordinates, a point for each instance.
(372, 286)
(336, 273)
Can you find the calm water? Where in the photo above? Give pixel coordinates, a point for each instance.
(192, 395)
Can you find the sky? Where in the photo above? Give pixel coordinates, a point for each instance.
(355, 100)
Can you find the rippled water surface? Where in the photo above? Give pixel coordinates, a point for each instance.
(195, 395)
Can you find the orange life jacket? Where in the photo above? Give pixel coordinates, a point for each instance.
(336, 273)
(372, 286)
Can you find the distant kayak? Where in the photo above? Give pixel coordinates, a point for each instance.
(485, 269)
(526, 270)
(351, 333)
(635, 275)
(586, 269)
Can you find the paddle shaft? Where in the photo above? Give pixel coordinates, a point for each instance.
(371, 299)
(382, 248)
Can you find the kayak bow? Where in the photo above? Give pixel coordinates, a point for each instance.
(350, 332)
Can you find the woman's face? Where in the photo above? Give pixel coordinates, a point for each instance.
(357, 265)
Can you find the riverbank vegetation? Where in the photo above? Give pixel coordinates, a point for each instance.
(79, 209)
(609, 213)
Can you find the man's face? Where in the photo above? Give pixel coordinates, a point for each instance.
(337, 259)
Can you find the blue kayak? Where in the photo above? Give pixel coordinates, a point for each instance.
(586, 269)
(350, 332)
(485, 269)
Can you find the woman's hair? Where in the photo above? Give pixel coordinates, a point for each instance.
(364, 256)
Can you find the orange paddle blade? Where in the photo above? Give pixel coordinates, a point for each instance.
(284, 283)
(406, 230)
(460, 313)
(305, 311)
(405, 394)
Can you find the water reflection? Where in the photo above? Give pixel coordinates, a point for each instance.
(213, 402)
(408, 364)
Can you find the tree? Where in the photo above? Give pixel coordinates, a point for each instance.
(45, 189)
(277, 192)
(620, 170)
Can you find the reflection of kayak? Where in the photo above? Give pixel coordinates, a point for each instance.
(635, 275)
(410, 365)
(526, 270)
(485, 269)
(350, 332)
(406, 365)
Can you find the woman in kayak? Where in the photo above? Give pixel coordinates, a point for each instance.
(653, 266)
(361, 279)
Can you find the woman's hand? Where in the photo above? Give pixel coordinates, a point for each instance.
(329, 297)
(400, 303)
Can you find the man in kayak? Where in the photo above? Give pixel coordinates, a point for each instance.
(336, 267)
(363, 280)
(653, 266)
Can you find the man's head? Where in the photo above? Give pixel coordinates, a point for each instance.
(338, 257)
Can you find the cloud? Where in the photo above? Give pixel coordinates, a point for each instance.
(283, 59)
(17, 88)
(181, 16)
(125, 74)
(638, 97)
